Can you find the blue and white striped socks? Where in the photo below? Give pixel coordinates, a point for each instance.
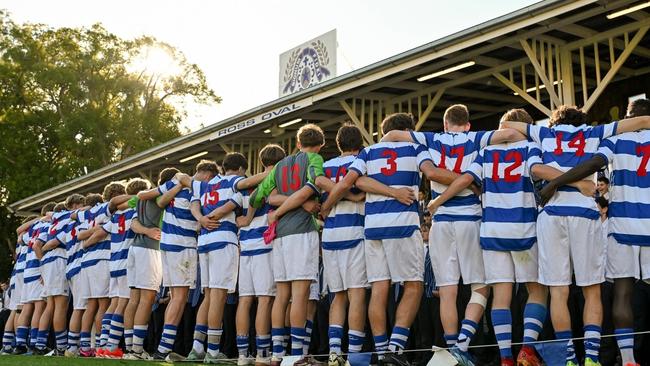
(8, 340)
(398, 339)
(381, 344)
(502, 323)
(200, 335)
(21, 335)
(592, 341)
(106, 329)
(297, 337)
(33, 337)
(467, 330)
(61, 340)
(263, 345)
(335, 333)
(306, 339)
(128, 339)
(167, 339)
(451, 339)
(139, 333)
(84, 341)
(277, 337)
(355, 340)
(41, 341)
(73, 341)
(214, 340)
(565, 336)
(534, 318)
(116, 331)
(625, 341)
(242, 345)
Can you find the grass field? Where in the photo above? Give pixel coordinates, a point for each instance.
(46, 361)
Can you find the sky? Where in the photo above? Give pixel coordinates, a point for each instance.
(237, 43)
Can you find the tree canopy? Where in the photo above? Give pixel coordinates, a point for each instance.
(73, 100)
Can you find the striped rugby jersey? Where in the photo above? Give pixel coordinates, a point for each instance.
(68, 237)
(32, 263)
(251, 237)
(179, 228)
(212, 195)
(509, 207)
(119, 228)
(59, 222)
(454, 151)
(564, 147)
(629, 208)
(395, 164)
(101, 251)
(343, 227)
(21, 256)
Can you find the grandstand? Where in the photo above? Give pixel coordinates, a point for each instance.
(585, 52)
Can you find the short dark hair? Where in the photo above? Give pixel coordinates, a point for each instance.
(602, 202)
(166, 175)
(310, 135)
(638, 108)
(271, 154)
(73, 200)
(47, 208)
(234, 161)
(397, 121)
(603, 179)
(517, 115)
(457, 114)
(568, 115)
(113, 189)
(136, 185)
(207, 166)
(349, 138)
(92, 199)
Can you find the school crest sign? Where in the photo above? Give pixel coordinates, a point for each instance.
(308, 64)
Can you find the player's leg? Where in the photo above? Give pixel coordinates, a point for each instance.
(312, 307)
(59, 322)
(129, 318)
(9, 335)
(337, 314)
(173, 315)
(44, 323)
(117, 325)
(22, 328)
(74, 327)
(534, 316)
(141, 322)
(593, 319)
(242, 324)
(298, 315)
(502, 320)
(263, 328)
(215, 320)
(102, 324)
(106, 321)
(201, 328)
(624, 319)
(356, 319)
(39, 308)
(377, 314)
(278, 312)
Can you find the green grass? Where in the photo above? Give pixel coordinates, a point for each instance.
(46, 361)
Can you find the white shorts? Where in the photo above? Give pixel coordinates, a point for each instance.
(256, 275)
(16, 294)
(98, 279)
(569, 245)
(219, 268)
(345, 269)
(78, 288)
(314, 291)
(622, 260)
(54, 281)
(397, 260)
(32, 292)
(456, 252)
(179, 268)
(144, 269)
(119, 287)
(515, 266)
(295, 257)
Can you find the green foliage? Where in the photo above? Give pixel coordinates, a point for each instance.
(73, 100)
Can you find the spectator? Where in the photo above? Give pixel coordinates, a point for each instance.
(602, 189)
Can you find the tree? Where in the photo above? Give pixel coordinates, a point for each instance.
(73, 100)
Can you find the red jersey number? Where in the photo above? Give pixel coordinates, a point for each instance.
(391, 168)
(458, 151)
(644, 153)
(507, 172)
(577, 142)
(294, 182)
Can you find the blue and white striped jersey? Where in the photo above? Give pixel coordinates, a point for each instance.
(179, 228)
(21, 257)
(564, 147)
(509, 207)
(212, 195)
(343, 227)
(629, 207)
(59, 222)
(454, 151)
(38, 231)
(101, 251)
(121, 236)
(395, 164)
(73, 248)
(251, 237)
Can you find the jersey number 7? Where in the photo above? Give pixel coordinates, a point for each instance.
(644, 153)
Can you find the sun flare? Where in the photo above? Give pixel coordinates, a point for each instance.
(155, 61)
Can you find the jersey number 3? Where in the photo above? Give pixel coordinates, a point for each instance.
(391, 157)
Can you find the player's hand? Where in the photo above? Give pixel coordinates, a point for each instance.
(311, 206)
(271, 217)
(475, 189)
(241, 221)
(404, 195)
(325, 212)
(154, 233)
(208, 223)
(432, 207)
(587, 187)
(546, 194)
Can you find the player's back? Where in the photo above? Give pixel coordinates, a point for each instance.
(73, 247)
(629, 209)
(344, 227)
(509, 207)
(122, 236)
(213, 195)
(100, 251)
(251, 237)
(395, 164)
(179, 225)
(564, 147)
